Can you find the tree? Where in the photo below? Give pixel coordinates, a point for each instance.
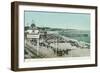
(26, 28)
(33, 24)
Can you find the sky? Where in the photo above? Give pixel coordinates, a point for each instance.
(58, 19)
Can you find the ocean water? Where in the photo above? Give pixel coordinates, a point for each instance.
(78, 35)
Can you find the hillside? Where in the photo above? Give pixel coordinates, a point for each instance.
(56, 45)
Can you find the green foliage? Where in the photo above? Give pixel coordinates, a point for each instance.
(26, 28)
(33, 25)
